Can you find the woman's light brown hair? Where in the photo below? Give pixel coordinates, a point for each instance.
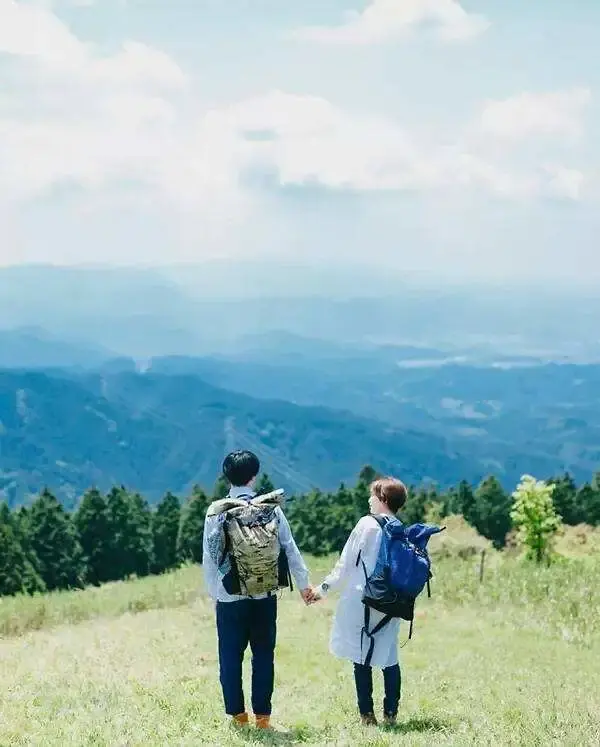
(390, 491)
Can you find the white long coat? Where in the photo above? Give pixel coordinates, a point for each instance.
(349, 579)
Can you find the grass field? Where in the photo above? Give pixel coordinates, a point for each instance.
(515, 661)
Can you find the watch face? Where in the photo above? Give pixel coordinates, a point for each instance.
(325, 587)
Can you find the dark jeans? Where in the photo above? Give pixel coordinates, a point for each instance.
(363, 677)
(254, 622)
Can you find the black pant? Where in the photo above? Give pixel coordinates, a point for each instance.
(363, 677)
(254, 622)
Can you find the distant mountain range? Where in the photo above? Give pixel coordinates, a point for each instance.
(34, 348)
(208, 308)
(158, 432)
(147, 376)
(505, 415)
(314, 424)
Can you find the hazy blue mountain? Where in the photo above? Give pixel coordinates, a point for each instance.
(315, 411)
(219, 280)
(209, 308)
(155, 433)
(511, 416)
(433, 384)
(28, 347)
(132, 312)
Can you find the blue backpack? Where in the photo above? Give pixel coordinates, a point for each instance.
(402, 571)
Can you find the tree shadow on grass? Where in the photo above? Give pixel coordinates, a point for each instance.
(420, 725)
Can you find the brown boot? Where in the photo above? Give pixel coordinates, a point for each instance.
(240, 720)
(263, 722)
(368, 719)
(389, 719)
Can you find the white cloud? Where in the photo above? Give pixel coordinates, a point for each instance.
(387, 20)
(138, 64)
(74, 116)
(555, 114)
(565, 182)
(308, 141)
(311, 141)
(33, 31)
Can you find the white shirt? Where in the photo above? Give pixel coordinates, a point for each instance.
(349, 578)
(213, 578)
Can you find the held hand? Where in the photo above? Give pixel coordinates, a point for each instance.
(307, 595)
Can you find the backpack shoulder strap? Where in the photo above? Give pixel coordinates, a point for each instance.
(379, 519)
(371, 634)
(382, 522)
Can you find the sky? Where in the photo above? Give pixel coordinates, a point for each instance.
(431, 138)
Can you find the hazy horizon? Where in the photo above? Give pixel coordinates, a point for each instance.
(351, 280)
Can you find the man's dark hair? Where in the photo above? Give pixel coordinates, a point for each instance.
(240, 467)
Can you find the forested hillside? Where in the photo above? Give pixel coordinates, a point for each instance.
(114, 535)
(168, 432)
(168, 428)
(507, 414)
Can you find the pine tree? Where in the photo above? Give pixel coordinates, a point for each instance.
(17, 573)
(564, 497)
(12, 559)
(343, 519)
(461, 501)
(367, 474)
(131, 524)
(492, 508)
(95, 529)
(221, 489)
(21, 521)
(165, 528)
(360, 499)
(588, 502)
(120, 523)
(311, 519)
(53, 539)
(141, 535)
(264, 485)
(362, 492)
(191, 528)
(416, 506)
(20, 518)
(434, 504)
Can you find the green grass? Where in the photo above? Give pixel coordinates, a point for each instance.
(23, 614)
(514, 661)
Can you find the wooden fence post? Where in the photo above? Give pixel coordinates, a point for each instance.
(481, 566)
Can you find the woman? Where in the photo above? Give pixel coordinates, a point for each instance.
(388, 496)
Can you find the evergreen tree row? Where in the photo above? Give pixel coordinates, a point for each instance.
(322, 521)
(115, 536)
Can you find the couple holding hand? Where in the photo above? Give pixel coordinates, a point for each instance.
(244, 619)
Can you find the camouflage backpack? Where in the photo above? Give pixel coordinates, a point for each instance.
(250, 542)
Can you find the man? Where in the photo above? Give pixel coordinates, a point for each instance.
(243, 619)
